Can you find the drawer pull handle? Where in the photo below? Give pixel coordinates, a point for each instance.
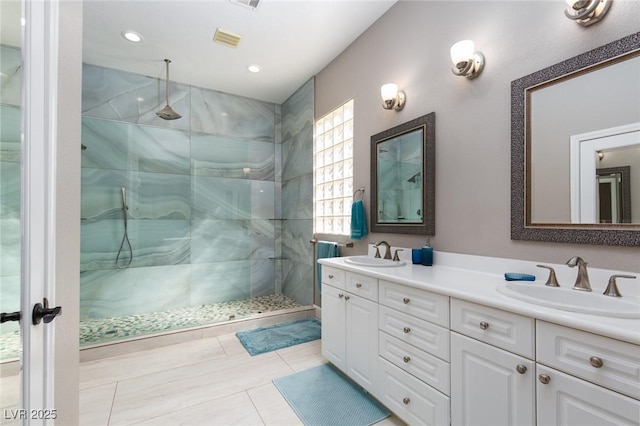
(406, 329)
(358, 285)
(406, 359)
(340, 295)
(521, 368)
(596, 362)
(347, 298)
(544, 379)
(406, 401)
(330, 276)
(484, 325)
(406, 300)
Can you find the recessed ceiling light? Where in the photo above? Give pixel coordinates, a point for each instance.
(253, 68)
(132, 36)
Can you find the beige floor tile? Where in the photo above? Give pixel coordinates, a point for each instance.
(10, 400)
(230, 410)
(303, 356)
(168, 391)
(95, 405)
(113, 369)
(392, 420)
(232, 346)
(272, 407)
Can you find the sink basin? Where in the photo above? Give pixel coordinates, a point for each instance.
(567, 299)
(373, 262)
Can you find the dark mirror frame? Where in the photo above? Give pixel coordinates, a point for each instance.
(428, 225)
(601, 234)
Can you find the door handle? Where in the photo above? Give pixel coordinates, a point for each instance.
(10, 316)
(42, 312)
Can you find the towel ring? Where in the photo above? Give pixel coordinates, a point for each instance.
(361, 190)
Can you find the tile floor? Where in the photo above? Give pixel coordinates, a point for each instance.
(204, 382)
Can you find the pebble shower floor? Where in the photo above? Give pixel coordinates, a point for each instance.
(94, 331)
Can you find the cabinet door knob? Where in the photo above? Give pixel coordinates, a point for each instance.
(330, 276)
(596, 362)
(340, 295)
(347, 298)
(544, 379)
(406, 401)
(521, 368)
(406, 329)
(406, 300)
(406, 359)
(484, 325)
(358, 285)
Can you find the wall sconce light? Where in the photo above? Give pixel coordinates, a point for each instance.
(466, 61)
(587, 12)
(392, 98)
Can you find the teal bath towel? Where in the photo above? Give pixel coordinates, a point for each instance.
(358, 221)
(324, 249)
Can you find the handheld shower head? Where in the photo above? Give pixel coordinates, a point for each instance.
(167, 113)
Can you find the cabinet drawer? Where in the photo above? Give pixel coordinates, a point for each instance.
(608, 362)
(421, 334)
(428, 368)
(362, 286)
(505, 330)
(333, 276)
(413, 301)
(566, 400)
(410, 399)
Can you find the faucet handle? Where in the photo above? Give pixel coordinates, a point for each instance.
(612, 288)
(395, 255)
(377, 256)
(552, 281)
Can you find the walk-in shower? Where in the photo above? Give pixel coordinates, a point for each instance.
(191, 222)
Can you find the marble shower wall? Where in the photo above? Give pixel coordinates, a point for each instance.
(10, 115)
(297, 194)
(203, 196)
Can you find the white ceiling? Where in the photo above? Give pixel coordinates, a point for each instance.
(290, 40)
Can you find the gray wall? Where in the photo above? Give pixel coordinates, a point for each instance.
(409, 45)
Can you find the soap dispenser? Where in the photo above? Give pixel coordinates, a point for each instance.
(427, 254)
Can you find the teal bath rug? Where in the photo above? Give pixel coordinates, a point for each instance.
(324, 396)
(279, 336)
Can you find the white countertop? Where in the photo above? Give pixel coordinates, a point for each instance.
(481, 287)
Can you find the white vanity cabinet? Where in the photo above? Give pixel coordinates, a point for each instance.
(350, 325)
(490, 385)
(439, 360)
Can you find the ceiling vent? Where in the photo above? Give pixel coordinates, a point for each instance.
(250, 4)
(227, 38)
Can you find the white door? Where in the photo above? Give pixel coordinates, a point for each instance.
(490, 386)
(585, 160)
(39, 121)
(362, 341)
(568, 401)
(333, 326)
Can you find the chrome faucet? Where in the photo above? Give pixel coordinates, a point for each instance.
(387, 255)
(582, 280)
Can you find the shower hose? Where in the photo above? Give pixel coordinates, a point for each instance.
(125, 236)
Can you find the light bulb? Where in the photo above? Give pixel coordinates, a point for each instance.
(389, 91)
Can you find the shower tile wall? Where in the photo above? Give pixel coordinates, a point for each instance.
(10, 100)
(297, 194)
(202, 193)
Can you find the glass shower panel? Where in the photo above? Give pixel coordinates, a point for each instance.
(10, 230)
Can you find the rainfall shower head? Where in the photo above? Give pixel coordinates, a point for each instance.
(167, 113)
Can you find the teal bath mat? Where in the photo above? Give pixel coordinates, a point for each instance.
(279, 336)
(323, 396)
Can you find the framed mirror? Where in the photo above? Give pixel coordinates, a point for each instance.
(403, 178)
(575, 126)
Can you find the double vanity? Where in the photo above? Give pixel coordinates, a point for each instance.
(447, 345)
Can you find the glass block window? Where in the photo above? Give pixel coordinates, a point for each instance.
(333, 171)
